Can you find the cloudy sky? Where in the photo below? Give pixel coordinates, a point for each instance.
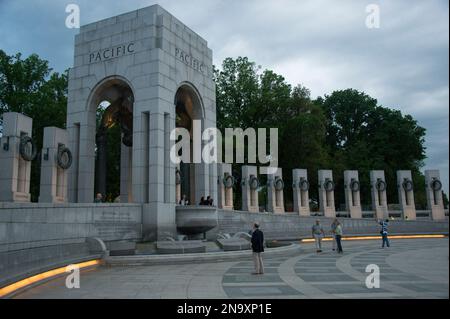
(324, 45)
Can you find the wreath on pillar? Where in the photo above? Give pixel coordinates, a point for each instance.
(64, 157)
(408, 185)
(254, 183)
(381, 185)
(27, 148)
(304, 185)
(436, 185)
(278, 184)
(228, 181)
(329, 185)
(355, 186)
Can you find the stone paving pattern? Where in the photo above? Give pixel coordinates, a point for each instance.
(415, 268)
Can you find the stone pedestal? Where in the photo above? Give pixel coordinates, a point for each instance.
(225, 182)
(435, 202)
(15, 170)
(275, 196)
(378, 187)
(300, 186)
(352, 194)
(53, 187)
(406, 194)
(250, 185)
(326, 193)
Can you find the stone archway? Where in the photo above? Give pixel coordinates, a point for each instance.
(118, 93)
(91, 139)
(189, 108)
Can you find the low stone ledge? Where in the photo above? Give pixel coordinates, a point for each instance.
(198, 257)
(180, 247)
(121, 248)
(233, 244)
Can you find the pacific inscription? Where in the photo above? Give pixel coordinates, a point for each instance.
(189, 60)
(111, 53)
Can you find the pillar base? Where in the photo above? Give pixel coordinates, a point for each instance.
(16, 197)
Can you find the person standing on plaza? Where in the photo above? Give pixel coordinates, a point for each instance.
(184, 201)
(338, 236)
(98, 198)
(333, 232)
(318, 234)
(258, 249)
(384, 232)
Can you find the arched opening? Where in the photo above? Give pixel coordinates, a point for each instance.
(188, 109)
(112, 105)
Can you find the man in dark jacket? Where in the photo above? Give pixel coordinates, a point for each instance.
(258, 248)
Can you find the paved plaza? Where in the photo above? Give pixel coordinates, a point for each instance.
(415, 268)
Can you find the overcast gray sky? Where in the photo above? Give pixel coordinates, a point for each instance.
(324, 45)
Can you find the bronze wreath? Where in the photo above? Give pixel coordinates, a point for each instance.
(228, 181)
(253, 183)
(329, 185)
(59, 157)
(278, 184)
(381, 185)
(408, 185)
(436, 185)
(355, 186)
(23, 149)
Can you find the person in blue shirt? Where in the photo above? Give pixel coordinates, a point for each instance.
(384, 232)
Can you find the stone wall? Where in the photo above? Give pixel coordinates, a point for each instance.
(292, 226)
(38, 237)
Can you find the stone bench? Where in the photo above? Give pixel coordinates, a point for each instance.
(121, 248)
(180, 247)
(233, 244)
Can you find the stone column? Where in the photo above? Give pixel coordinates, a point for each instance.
(406, 194)
(53, 187)
(86, 162)
(275, 196)
(225, 182)
(102, 162)
(14, 169)
(178, 185)
(201, 169)
(326, 193)
(300, 186)
(435, 203)
(352, 194)
(159, 214)
(250, 184)
(126, 194)
(378, 191)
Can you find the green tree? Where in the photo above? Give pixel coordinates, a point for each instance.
(29, 86)
(362, 135)
(248, 97)
(302, 140)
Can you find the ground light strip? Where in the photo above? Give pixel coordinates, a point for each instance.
(310, 240)
(51, 273)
